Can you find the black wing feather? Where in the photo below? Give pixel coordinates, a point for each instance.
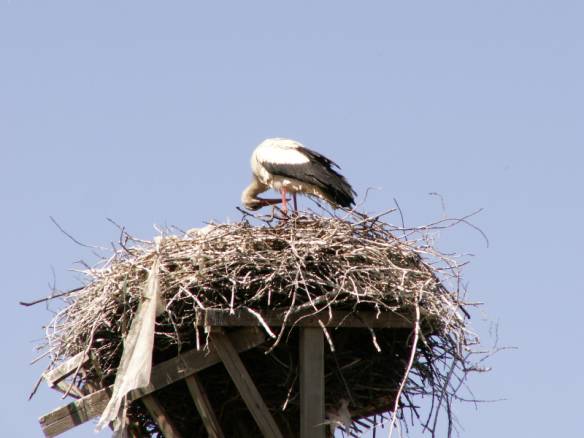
(320, 173)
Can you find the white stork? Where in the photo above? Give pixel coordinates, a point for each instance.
(289, 167)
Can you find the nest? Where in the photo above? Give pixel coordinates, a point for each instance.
(305, 265)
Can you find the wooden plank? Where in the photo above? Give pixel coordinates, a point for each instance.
(346, 319)
(55, 378)
(312, 413)
(78, 412)
(247, 389)
(160, 416)
(82, 410)
(204, 407)
(56, 375)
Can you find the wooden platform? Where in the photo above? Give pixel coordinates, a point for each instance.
(248, 331)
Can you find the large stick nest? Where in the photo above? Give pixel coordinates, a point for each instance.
(304, 264)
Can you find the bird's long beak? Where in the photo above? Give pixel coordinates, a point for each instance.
(269, 201)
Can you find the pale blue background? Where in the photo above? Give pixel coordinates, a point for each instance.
(147, 112)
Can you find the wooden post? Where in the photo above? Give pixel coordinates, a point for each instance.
(312, 383)
(247, 389)
(204, 407)
(160, 416)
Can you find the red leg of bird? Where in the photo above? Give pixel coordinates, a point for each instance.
(295, 204)
(284, 203)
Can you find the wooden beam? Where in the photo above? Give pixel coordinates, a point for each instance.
(58, 374)
(204, 407)
(249, 393)
(160, 416)
(342, 318)
(312, 383)
(66, 417)
(55, 378)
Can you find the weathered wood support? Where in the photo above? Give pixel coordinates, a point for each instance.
(204, 407)
(249, 393)
(80, 411)
(223, 349)
(275, 318)
(67, 368)
(55, 378)
(160, 416)
(312, 415)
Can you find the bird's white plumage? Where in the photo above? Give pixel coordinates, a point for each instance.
(279, 151)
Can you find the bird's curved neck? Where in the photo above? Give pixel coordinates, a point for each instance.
(253, 190)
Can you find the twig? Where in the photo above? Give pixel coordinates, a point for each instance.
(69, 235)
(407, 372)
(42, 300)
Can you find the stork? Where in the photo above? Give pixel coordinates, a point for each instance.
(289, 167)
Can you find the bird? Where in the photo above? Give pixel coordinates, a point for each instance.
(288, 166)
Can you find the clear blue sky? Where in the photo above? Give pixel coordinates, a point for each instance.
(146, 112)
